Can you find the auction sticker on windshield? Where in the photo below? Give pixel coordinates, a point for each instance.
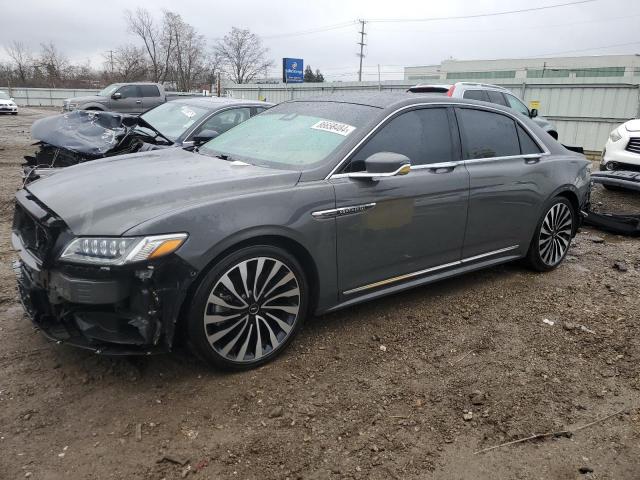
(333, 127)
(188, 112)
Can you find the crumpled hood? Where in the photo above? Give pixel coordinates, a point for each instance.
(112, 195)
(83, 131)
(633, 125)
(87, 99)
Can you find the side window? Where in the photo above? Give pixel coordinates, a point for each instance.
(527, 145)
(496, 97)
(128, 91)
(259, 110)
(224, 121)
(424, 136)
(476, 95)
(149, 91)
(517, 104)
(487, 134)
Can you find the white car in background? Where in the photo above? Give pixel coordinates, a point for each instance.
(7, 105)
(622, 151)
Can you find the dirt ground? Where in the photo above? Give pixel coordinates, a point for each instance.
(406, 387)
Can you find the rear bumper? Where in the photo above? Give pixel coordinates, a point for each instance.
(109, 311)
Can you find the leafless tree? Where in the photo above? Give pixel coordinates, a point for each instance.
(21, 59)
(188, 59)
(157, 37)
(242, 55)
(52, 63)
(126, 64)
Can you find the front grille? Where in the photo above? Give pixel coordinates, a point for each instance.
(634, 145)
(35, 237)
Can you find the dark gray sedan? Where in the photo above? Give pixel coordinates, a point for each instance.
(312, 206)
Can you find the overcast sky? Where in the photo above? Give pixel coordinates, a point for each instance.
(85, 29)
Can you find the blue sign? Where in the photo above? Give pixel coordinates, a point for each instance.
(292, 70)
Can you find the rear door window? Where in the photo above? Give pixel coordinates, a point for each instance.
(496, 97)
(149, 91)
(476, 95)
(487, 134)
(423, 135)
(527, 145)
(223, 121)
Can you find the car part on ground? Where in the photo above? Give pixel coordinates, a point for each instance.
(618, 179)
(309, 207)
(619, 224)
(83, 135)
(488, 93)
(622, 150)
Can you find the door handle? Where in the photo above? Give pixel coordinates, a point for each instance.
(531, 161)
(138, 101)
(443, 167)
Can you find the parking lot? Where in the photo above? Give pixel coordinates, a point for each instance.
(410, 386)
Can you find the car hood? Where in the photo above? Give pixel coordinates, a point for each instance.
(6, 102)
(88, 99)
(112, 195)
(633, 125)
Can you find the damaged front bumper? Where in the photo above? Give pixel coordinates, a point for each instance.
(121, 310)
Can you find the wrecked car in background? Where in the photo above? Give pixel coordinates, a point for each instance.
(622, 151)
(82, 135)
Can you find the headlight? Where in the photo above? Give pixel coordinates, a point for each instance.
(615, 136)
(121, 250)
(71, 106)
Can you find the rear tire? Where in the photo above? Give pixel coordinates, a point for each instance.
(552, 238)
(248, 308)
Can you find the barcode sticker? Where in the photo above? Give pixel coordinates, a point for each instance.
(334, 127)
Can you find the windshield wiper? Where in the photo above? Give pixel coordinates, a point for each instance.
(143, 123)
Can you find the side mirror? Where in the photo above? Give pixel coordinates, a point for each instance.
(116, 96)
(384, 164)
(533, 113)
(204, 136)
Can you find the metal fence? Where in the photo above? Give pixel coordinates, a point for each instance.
(584, 110)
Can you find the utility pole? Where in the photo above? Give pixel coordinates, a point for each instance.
(111, 60)
(362, 44)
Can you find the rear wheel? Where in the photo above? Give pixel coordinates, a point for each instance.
(553, 235)
(248, 308)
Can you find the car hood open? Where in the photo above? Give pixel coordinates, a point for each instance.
(112, 195)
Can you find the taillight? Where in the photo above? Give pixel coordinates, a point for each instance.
(450, 91)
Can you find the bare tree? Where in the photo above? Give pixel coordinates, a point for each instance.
(242, 55)
(157, 38)
(126, 64)
(188, 60)
(53, 64)
(21, 59)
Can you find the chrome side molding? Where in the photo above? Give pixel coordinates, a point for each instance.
(342, 211)
(419, 273)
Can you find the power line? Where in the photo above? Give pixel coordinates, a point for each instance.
(311, 30)
(479, 15)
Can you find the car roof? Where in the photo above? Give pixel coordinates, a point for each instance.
(424, 87)
(217, 102)
(394, 100)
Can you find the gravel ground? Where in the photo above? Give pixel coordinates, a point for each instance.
(409, 386)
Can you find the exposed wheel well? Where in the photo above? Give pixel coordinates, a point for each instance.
(293, 247)
(573, 199)
(94, 108)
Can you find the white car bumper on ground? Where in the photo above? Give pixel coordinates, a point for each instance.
(623, 147)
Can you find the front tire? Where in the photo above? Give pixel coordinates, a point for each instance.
(553, 235)
(248, 308)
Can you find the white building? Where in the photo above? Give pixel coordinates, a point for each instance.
(599, 66)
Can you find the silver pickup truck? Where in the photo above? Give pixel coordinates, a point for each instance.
(133, 98)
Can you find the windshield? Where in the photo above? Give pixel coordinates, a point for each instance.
(172, 119)
(4, 96)
(108, 91)
(293, 135)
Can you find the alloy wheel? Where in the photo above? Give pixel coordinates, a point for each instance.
(555, 234)
(252, 309)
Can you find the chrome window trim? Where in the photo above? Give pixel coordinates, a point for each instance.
(513, 115)
(406, 276)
